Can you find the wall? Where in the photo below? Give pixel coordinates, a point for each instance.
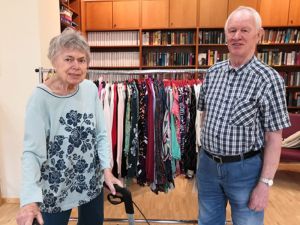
(26, 28)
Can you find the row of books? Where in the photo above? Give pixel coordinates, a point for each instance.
(207, 58)
(291, 79)
(161, 37)
(282, 36)
(211, 37)
(168, 59)
(114, 59)
(116, 38)
(168, 38)
(271, 36)
(210, 57)
(293, 99)
(278, 58)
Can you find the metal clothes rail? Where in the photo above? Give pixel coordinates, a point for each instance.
(92, 73)
(119, 220)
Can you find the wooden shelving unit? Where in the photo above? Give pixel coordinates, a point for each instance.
(70, 14)
(167, 16)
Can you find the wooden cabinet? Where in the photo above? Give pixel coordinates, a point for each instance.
(98, 15)
(126, 14)
(183, 13)
(155, 13)
(274, 12)
(212, 13)
(294, 13)
(70, 14)
(101, 15)
(233, 4)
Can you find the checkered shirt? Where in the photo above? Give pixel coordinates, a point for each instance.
(241, 105)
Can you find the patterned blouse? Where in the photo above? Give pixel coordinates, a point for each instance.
(65, 148)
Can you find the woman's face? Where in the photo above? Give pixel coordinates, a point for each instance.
(70, 66)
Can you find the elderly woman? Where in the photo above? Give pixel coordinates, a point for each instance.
(66, 154)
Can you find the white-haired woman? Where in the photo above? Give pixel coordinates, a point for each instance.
(66, 154)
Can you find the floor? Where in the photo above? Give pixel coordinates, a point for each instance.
(181, 203)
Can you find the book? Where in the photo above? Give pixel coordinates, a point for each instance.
(202, 59)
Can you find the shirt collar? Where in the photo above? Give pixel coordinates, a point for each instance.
(242, 69)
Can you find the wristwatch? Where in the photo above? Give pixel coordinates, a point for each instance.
(266, 181)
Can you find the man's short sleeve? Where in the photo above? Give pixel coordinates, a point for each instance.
(275, 110)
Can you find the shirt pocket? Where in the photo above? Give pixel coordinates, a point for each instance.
(244, 113)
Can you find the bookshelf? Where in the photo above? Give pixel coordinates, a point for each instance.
(169, 48)
(154, 22)
(280, 48)
(117, 49)
(194, 48)
(70, 14)
(212, 47)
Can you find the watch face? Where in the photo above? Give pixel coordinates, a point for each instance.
(270, 182)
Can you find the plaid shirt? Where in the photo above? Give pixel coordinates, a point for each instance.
(240, 106)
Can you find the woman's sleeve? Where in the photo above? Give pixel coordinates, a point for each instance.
(101, 134)
(34, 154)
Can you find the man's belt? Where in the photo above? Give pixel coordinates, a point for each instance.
(232, 158)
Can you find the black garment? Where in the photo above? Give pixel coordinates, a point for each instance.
(134, 141)
(143, 133)
(190, 155)
(160, 175)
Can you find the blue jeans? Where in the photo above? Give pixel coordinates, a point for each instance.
(90, 213)
(228, 182)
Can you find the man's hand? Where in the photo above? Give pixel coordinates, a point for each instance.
(259, 197)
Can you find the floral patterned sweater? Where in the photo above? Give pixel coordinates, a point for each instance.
(65, 148)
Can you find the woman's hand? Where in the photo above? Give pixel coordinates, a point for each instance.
(110, 180)
(27, 214)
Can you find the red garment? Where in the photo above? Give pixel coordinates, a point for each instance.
(114, 130)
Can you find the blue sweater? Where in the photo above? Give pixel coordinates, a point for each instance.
(65, 148)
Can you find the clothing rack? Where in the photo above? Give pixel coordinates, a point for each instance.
(96, 73)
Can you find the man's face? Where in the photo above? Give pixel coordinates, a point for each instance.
(242, 35)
